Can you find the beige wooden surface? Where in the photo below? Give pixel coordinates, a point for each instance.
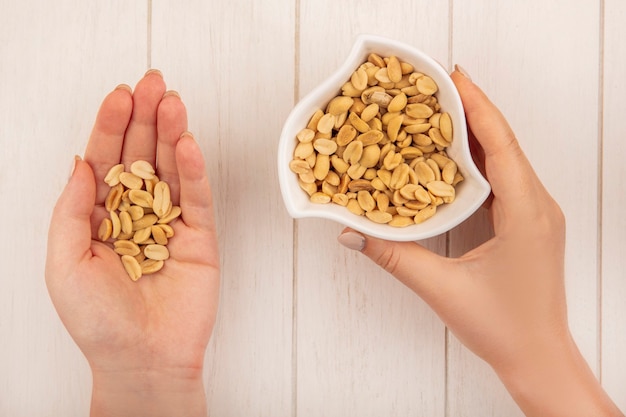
(305, 327)
(612, 232)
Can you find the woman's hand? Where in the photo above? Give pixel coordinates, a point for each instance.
(145, 341)
(505, 300)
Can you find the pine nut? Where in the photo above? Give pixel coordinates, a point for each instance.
(112, 177)
(161, 202)
(340, 199)
(445, 126)
(141, 198)
(359, 79)
(322, 167)
(435, 168)
(339, 105)
(150, 266)
(401, 221)
(419, 111)
(426, 85)
(105, 230)
(366, 201)
(369, 112)
(370, 137)
(306, 135)
(449, 172)
(299, 166)
(141, 236)
(440, 189)
(114, 197)
(354, 207)
(394, 69)
(130, 180)
(173, 214)
(398, 103)
(378, 216)
(167, 229)
(320, 198)
(126, 222)
(117, 225)
(325, 146)
(132, 267)
(156, 252)
(142, 169)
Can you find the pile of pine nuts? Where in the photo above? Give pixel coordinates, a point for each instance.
(140, 210)
(379, 147)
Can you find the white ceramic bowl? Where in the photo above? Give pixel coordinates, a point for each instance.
(470, 193)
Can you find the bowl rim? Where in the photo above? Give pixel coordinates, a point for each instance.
(364, 45)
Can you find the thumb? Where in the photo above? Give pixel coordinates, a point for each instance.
(69, 235)
(415, 266)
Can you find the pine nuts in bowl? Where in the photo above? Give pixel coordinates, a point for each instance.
(381, 146)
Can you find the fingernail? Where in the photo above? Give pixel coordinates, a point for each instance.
(352, 240)
(74, 162)
(153, 71)
(124, 87)
(171, 93)
(188, 134)
(462, 71)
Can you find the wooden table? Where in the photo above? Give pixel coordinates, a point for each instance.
(305, 327)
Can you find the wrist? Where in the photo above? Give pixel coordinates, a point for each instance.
(555, 380)
(148, 392)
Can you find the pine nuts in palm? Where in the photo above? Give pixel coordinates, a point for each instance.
(140, 209)
(126, 247)
(379, 147)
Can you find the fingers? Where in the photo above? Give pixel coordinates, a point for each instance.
(69, 237)
(141, 135)
(172, 122)
(509, 172)
(418, 268)
(195, 192)
(486, 122)
(126, 130)
(104, 148)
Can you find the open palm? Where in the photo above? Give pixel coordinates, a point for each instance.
(163, 320)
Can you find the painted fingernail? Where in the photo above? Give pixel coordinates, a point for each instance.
(153, 71)
(73, 168)
(171, 93)
(124, 87)
(462, 71)
(352, 240)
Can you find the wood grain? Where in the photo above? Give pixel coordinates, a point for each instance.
(306, 327)
(613, 340)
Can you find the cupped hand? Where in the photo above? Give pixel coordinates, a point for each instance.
(504, 300)
(156, 329)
